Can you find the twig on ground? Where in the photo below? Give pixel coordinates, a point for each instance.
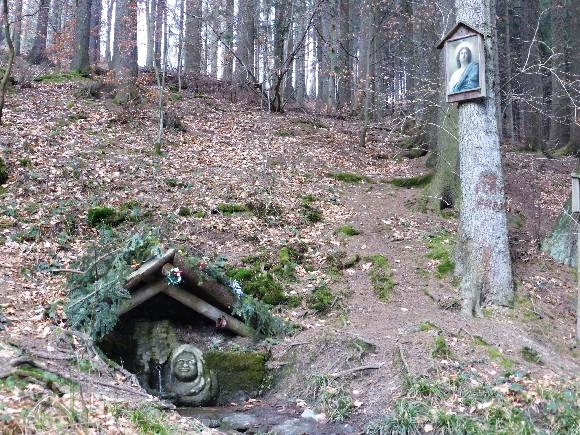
(356, 369)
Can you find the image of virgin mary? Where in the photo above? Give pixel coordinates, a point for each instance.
(466, 76)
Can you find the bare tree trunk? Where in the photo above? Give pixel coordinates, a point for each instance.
(574, 143)
(344, 58)
(95, 38)
(10, 60)
(80, 60)
(560, 110)
(108, 57)
(125, 52)
(17, 33)
(484, 262)
(192, 46)
(150, 6)
(367, 27)
(228, 39)
(181, 32)
(160, 18)
(212, 22)
(301, 55)
(37, 54)
(246, 29)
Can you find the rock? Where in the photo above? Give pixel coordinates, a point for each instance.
(239, 421)
(310, 414)
(295, 426)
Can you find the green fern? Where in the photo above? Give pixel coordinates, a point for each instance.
(96, 295)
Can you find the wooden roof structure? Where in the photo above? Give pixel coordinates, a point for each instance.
(196, 291)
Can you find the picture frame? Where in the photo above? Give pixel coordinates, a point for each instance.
(464, 55)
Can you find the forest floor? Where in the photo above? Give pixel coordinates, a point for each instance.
(66, 153)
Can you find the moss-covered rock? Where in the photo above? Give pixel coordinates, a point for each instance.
(237, 372)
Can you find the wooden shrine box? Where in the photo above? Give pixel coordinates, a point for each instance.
(575, 192)
(464, 55)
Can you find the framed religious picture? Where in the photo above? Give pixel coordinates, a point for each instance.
(464, 64)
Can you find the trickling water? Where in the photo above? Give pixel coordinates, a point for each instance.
(159, 380)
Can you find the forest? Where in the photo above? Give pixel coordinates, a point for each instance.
(284, 216)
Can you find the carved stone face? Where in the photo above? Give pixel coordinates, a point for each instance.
(185, 366)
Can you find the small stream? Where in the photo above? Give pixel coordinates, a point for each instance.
(261, 418)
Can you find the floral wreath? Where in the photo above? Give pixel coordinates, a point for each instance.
(174, 276)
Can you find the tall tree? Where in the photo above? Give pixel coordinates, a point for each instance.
(17, 32)
(192, 43)
(228, 41)
(483, 253)
(245, 51)
(560, 108)
(95, 33)
(108, 32)
(575, 76)
(300, 92)
(8, 67)
(158, 34)
(150, 7)
(125, 49)
(37, 53)
(345, 55)
(80, 60)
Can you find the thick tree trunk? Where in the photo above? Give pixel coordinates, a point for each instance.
(95, 38)
(125, 52)
(37, 54)
(17, 32)
(245, 46)
(80, 60)
(484, 262)
(192, 43)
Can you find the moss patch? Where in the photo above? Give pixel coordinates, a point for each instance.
(440, 246)
(105, 215)
(347, 230)
(381, 276)
(409, 182)
(230, 209)
(321, 299)
(310, 213)
(3, 171)
(258, 283)
(237, 372)
(347, 177)
(60, 77)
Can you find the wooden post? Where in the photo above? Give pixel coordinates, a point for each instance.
(207, 287)
(141, 295)
(148, 270)
(200, 306)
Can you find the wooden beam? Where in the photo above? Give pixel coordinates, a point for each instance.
(207, 287)
(200, 306)
(148, 270)
(141, 295)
